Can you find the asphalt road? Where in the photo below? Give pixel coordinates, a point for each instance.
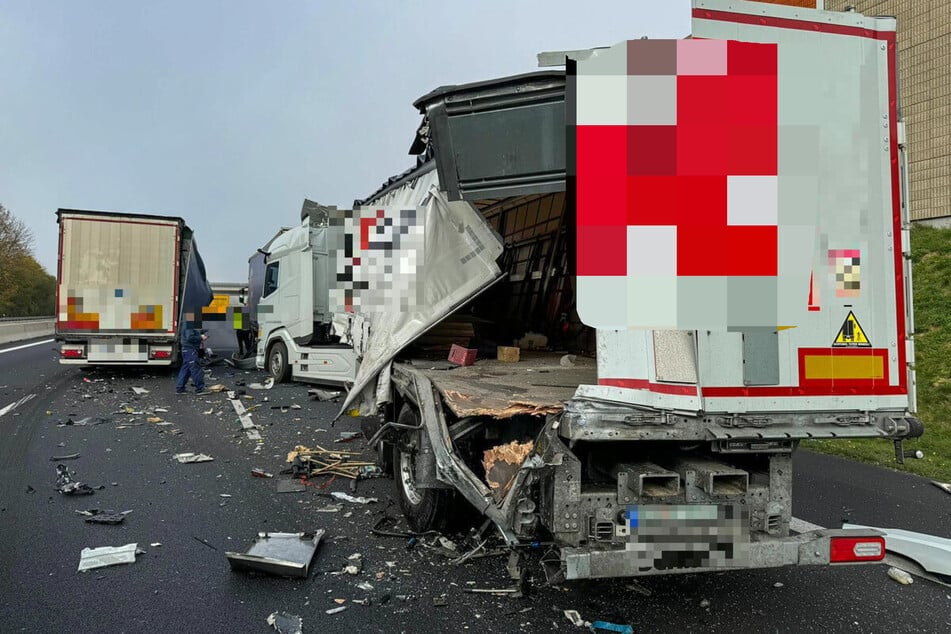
(186, 585)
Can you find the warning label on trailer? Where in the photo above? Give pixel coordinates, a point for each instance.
(851, 335)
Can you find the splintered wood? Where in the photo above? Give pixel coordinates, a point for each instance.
(329, 461)
(502, 464)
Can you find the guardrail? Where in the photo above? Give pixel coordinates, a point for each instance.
(20, 328)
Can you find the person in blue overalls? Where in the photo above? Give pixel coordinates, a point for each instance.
(192, 338)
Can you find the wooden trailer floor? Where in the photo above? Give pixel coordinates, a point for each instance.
(538, 384)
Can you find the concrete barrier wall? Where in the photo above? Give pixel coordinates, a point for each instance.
(18, 330)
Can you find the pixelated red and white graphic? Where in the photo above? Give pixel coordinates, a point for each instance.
(676, 164)
(378, 264)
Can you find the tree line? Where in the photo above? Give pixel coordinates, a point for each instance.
(26, 289)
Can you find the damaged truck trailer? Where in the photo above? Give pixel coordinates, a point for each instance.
(125, 283)
(641, 451)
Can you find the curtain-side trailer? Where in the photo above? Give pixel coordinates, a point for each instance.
(125, 283)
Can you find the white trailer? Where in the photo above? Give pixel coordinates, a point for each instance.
(124, 284)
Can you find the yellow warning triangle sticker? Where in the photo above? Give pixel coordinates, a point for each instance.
(851, 335)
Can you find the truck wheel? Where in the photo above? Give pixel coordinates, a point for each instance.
(277, 363)
(425, 509)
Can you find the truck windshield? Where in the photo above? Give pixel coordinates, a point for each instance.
(270, 279)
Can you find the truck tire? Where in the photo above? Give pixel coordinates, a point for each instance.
(424, 509)
(277, 363)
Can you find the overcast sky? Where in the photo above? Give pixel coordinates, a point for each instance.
(230, 113)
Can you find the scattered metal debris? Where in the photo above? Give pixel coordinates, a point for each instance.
(267, 385)
(366, 587)
(339, 495)
(286, 554)
(140, 390)
(336, 610)
(261, 473)
(205, 542)
(290, 486)
(188, 458)
(71, 456)
(108, 516)
(250, 429)
(323, 395)
(285, 623)
(67, 486)
(91, 558)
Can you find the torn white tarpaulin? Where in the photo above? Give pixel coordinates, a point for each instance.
(457, 263)
(91, 558)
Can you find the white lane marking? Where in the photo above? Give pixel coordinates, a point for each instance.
(27, 345)
(13, 406)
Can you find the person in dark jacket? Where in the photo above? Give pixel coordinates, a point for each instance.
(192, 338)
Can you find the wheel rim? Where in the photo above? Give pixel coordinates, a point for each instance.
(277, 362)
(408, 480)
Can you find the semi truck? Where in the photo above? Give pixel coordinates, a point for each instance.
(637, 451)
(126, 283)
(289, 285)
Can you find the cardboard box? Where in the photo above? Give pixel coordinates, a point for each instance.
(508, 354)
(462, 356)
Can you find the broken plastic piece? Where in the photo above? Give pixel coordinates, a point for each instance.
(574, 617)
(91, 558)
(71, 456)
(96, 516)
(186, 458)
(140, 390)
(67, 486)
(267, 385)
(285, 554)
(612, 627)
(336, 610)
(323, 395)
(348, 436)
(261, 473)
(285, 623)
(218, 387)
(944, 486)
(349, 498)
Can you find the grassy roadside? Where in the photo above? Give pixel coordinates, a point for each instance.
(931, 269)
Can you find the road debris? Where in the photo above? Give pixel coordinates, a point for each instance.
(285, 554)
(899, 575)
(575, 618)
(71, 456)
(205, 542)
(140, 390)
(188, 458)
(108, 516)
(366, 587)
(218, 387)
(323, 395)
(502, 464)
(348, 436)
(308, 462)
(153, 419)
(267, 385)
(91, 558)
(67, 486)
(155, 544)
(250, 429)
(285, 623)
(612, 627)
(339, 495)
(261, 473)
(944, 486)
(290, 486)
(336, 610)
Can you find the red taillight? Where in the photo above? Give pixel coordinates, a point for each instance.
(71, 353)
(844, 549)
(160, 354)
